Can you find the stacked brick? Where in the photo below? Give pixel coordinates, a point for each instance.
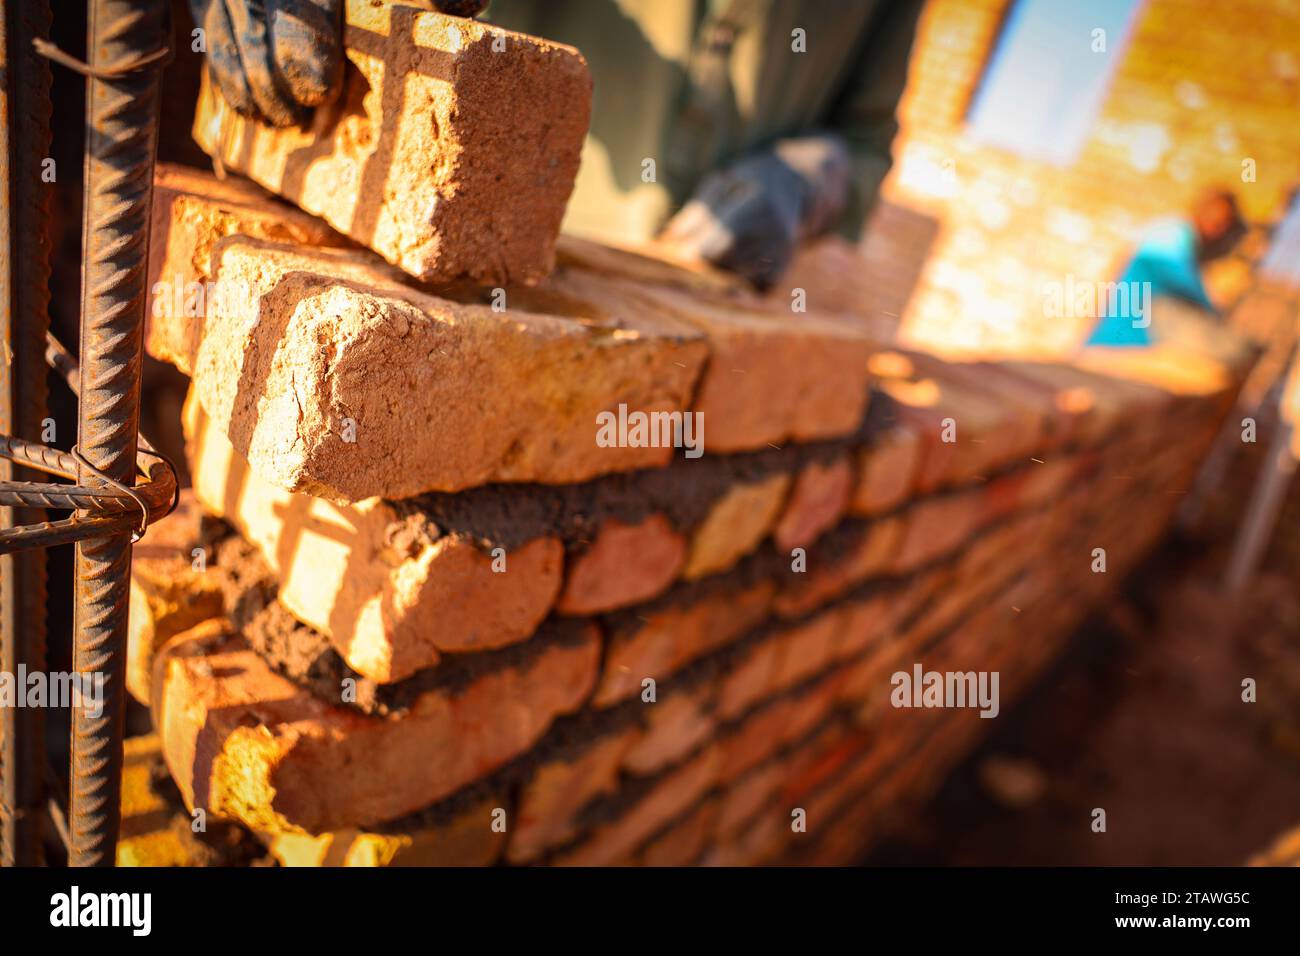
(461, 676)
(415, 611)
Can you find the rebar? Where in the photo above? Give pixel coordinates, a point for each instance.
(24, 306)
(32, 494)
(122, 105)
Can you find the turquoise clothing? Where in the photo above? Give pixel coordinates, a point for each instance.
(1164, 264)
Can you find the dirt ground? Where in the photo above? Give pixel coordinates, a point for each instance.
(1143, 717)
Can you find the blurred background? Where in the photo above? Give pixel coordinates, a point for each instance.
(1025, 158)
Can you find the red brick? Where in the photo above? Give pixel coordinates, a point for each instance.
(668, 799)
(807, 648)
(773, 376)
(677, 723)
(557, 790)
(886, 471)
(871, 554)
(243, 742)
(391, 592)
(675, 635)
(685, 840)
(750, 680)
(452, 151)
(935, 526)
(746, 797)
(626, 564)
(735, 525)
(817, 501)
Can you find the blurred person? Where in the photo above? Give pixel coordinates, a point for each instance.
(732, 130)
(1167, 263)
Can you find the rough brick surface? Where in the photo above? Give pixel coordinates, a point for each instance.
(336, 376)
(334, 380)
(191, 212)
(772, 687)
(391, 593)
(774, 375)
(451, 152)
(244, 743)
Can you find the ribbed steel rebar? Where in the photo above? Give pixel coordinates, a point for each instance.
(40, 457)
(121, 129)
(24, 297)
(32, 494)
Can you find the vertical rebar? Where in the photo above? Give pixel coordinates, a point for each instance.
(24, 305)
(121, 139)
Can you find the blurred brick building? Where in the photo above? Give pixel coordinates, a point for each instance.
(1044, 136)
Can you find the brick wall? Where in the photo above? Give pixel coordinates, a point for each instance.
(667, 660)
(416, 610)
(1199, 87)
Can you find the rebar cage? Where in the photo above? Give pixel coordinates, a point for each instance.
(113, 482)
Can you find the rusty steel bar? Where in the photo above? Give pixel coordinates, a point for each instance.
(122, 105)
(102, 513)
(24, 307)
(37, 456)
(157, 497)
(33, 494)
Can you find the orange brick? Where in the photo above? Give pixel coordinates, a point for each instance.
(668, 799)
(935, 526)
(452, 150)
(736, 524)
(672, 636)
(684, 841)
(867, 622)
(886, 471)
(168, 593)
(192, 211)
(626, 564)
(750, 679)
(333, 377)
(244, 743)
(773, 376)
(466, 838)
(757, 737)
(871, 552)
(817, 501)
(807, 649)
(747, 796)
(965, 432)
(677, 723)
(391, 592)
(560, 788)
